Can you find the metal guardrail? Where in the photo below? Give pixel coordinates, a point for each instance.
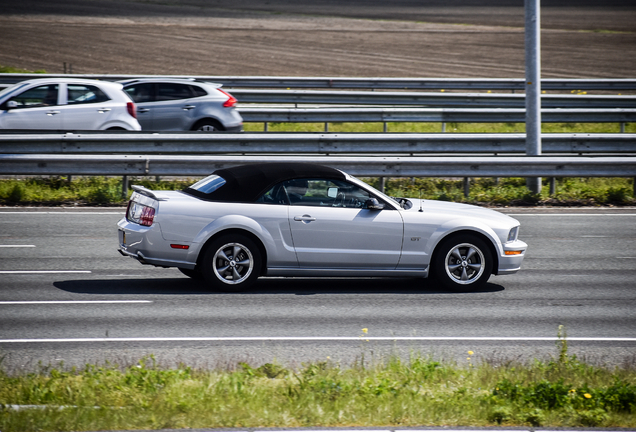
(304, 143)
(438, 100)
(143, 165)
(444, 115)
(516, 84)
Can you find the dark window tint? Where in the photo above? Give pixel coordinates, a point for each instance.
(81, 94)
(198, 91)
(317, 192)
(141, 92)
(36, 97)
(170, 91)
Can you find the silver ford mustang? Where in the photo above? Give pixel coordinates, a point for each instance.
(293, 219)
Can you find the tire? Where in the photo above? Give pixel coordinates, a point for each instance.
(192, 273)
(208, 125)
(221, 268)
(462, 263)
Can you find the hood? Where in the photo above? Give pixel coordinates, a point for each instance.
(456, 210)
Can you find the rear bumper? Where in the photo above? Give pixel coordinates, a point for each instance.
(146, 245)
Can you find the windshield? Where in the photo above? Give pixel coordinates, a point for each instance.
(11, 88)
(208, 184)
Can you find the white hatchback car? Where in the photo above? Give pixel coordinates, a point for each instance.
(67, 104)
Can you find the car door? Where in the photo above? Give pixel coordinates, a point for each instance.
(87, 107)
(172, 109)
(35, 108)
(143, 94)
(332, 228)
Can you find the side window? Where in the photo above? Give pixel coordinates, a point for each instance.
(141, 92)
(173, 91)
(316, 192)
(37, 97)
(81, 94)
(198, 91)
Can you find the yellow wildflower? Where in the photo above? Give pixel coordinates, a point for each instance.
(587, 396)
(365, 330)
(470, 353)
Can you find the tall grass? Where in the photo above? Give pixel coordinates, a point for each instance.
(419, 391)
(107, 191)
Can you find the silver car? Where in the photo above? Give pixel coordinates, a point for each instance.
(292, 219)
(67, 104)
(183, 105)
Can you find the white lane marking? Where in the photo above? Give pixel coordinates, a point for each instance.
(42, 271)
(16, 246)
(317, 338)
(18, 302)
(570, 214)
(62, 212)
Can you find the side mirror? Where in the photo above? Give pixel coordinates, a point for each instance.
(332, 192)
(373, 204)
(11, 104)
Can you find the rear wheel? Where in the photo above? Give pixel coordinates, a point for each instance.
(208, 125)
(463, 263)
(232, 263)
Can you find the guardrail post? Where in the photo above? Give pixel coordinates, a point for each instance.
(124, 186)
(466, 186)
(382, 184)
(533, 86)
(552, 186)
(622, 127)
(265, 127)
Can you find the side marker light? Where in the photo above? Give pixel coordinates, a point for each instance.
(513, 252)
(179, 246)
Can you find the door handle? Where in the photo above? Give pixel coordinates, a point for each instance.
(142, 110)
(189, 107)
(52, 113)
(304, 218)
(103, 110)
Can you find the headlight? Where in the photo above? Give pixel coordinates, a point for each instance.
(512, 235)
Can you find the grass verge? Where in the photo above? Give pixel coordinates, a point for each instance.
(420, 391)
(106, 191)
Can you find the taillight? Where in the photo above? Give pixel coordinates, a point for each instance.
(230, 102)
(140, 214)
(147, 216)
(132, 109)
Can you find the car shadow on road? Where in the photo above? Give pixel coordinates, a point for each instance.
(295, 286)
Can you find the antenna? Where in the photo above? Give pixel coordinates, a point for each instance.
(420, 210)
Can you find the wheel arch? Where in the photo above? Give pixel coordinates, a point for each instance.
(208, 119)
(240, 231)
(491, 246)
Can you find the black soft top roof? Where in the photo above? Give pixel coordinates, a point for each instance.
(246, 183)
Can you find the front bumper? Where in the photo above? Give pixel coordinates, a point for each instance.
(509, 264)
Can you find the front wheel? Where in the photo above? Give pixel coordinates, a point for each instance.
(463, 263)
(232, 263)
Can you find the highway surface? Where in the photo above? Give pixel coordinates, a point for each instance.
(67, 296)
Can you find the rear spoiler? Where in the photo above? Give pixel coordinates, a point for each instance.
(147, 192)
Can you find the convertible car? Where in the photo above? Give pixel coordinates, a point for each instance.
(293, 219)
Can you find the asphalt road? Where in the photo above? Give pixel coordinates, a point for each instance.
(66, 295)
